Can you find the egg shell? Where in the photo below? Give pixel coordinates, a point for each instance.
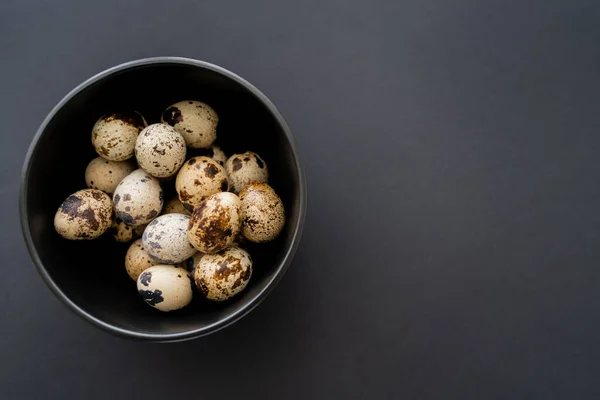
(213, 152)
(222, 275)
(166, 241)
(246, 168)
(196, 121)
(174, 206)
(137, 260)
(165, 287)
(215, 223)
(160, 150)
(192, 262)
(263, 215)
(84, 215)
(138, 199)
(124, 233)
(199, 178)
(105, 175)
(114, 135)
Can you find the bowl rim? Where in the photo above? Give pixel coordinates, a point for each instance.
(245, 308)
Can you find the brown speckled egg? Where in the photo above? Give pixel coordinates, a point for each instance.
(138, 199)
(196, 121)
(263, 216)
(85, 214)
(191, 263)
(165, 239)
(165, 287)
(137, 260)
(160, 150)
(174, 206)
(124, 233)
(105, 175)
(246, 168)
(197, 179)
(114, 135)
(222, 275)
(215, 223)
(213, 152)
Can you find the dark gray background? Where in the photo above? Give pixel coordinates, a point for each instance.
(452, 243)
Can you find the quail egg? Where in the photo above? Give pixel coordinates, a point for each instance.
(215, 223)
(165, 287)
(105, 175)
(160, 150)
(196, 121)
(138, 199)
(114, 135)
(85, 214)
(124, 233)
(222, 275)
(213, 152)
(246, 168)
(137, 260)
(165, 239)
(263, 216)
(174, 206)
(197, 179)
(192, 262)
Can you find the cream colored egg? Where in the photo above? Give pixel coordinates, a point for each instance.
(222, 275)
(199, 178)
(105, 175)
(191, 263)
(84, 215)
(165, 287)
(124, 233)
(218, 155)
(213, 152)
(114, 135)
(263, 215)
(246, 168)
(166, 241)
(160, 150)
(138, 199)
(137, 260)
(196, 121)
(174, 206)
(215, 223)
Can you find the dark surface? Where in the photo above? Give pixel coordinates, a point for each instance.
(103, 294)
(451, 248)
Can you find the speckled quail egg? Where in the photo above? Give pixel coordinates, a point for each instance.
(196, 121)
(114, 135)
(174, 206)
(137, 260)
(85, 214)
(263, 216)
(105, 175)
(160, 150)
(197, 179)
(124, 233)
(246, 168)
(165, 287)
(165, 239)
(138, 199)
(215, 223)
(222, 275)
(213, 152)
(192, 262)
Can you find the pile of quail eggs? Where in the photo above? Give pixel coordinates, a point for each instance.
(191, 239)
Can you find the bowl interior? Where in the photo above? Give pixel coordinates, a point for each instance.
(91, 274)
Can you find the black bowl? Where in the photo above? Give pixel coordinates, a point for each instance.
(89, 276)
